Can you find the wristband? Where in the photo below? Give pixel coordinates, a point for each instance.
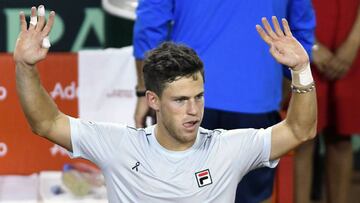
(140, 93)
(302, 78)
(303, 90)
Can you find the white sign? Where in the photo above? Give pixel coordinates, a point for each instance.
(3, 149)
(64, 92)
(3, 93)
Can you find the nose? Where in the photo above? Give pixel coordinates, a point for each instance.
(192, 108)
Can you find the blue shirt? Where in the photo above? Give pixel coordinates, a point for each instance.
(240, 73)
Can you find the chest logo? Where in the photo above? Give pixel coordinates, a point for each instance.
(137, 164)
(203, 178)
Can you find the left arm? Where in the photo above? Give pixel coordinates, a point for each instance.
(301, 120)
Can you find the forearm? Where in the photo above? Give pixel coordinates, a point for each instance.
(354, 35)
(39, 109)
(302, 115)
(140, 78)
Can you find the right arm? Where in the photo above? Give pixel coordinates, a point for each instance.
(151, 28)
(40, 110)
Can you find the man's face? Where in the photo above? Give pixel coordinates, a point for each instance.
(181, 109)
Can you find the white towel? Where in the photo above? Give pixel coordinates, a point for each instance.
(107, 80)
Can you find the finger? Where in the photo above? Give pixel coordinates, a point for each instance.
(286, 27)
(343, 66)
(43, 52)
(268, 28)
(320, 67)
(329, 73)
(334, 63)
(33, 18)
(344, 71)
(326, 60)
(334, 67)
(41, 18)
(49, 24)
(263, 34)
(23, 24)
(277, 27)
(46, 43)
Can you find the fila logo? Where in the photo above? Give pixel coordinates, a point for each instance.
(68, 92)
(3, 149)
(3, 93)
(203, 178)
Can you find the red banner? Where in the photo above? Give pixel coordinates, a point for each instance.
(21, 151)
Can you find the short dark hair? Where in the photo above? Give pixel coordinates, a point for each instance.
(169, 62)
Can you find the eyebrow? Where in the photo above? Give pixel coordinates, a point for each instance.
(186, 97)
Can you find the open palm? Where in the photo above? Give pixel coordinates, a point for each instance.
(29, 47)
(283, 46)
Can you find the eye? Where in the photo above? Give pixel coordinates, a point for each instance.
(180, 100)
(199, 97)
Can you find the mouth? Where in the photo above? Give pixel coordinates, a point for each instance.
(191, 125)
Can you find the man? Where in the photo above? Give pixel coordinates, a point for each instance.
(174, 160)
(233, 57)
(337, 74)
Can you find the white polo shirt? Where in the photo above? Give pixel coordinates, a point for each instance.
(138, 169)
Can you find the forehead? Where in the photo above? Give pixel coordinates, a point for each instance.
(185, 86)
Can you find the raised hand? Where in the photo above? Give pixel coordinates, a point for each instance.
(283, 46)
(30, 46)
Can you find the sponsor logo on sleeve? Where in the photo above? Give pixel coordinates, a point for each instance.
(203, 178)
(3, 93)
(68, 92)
(3, 149)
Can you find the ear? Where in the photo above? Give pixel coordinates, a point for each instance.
(153, 100)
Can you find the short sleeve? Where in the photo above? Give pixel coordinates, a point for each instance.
(250, 148)
(95, 141)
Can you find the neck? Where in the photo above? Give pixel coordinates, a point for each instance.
(166, 140)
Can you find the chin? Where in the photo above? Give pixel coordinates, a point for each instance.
(188, 137)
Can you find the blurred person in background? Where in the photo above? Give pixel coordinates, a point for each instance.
(234, 58)
(337, 75)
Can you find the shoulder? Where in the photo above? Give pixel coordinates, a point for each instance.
(236, 135)
(81, 126)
